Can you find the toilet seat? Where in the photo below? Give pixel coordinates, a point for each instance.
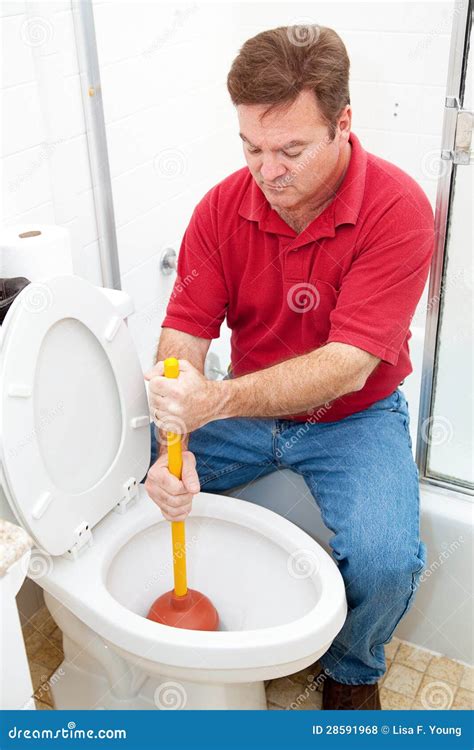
(82, 443)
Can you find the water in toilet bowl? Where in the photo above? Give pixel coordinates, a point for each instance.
(246, 575)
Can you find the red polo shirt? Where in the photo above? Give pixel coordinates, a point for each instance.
(354, 275)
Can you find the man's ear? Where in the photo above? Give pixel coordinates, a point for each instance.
(345, 122)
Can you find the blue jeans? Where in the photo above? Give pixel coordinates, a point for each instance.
(361, 473)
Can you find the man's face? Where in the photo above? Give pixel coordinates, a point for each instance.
(289, 152)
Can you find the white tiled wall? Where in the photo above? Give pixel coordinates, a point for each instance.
(171, 129)
(45, 162)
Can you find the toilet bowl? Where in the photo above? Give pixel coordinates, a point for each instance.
(75, 444)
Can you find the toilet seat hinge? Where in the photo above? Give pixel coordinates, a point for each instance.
(83, 537)
(130, 493)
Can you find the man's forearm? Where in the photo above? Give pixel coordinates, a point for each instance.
(298, 384)
(181, 345)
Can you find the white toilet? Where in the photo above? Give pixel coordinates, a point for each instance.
(75, 444)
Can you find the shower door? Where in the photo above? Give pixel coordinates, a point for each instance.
(445, 430)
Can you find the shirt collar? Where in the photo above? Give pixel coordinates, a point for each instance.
(344, 209)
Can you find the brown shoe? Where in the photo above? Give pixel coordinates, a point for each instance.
(337, 696)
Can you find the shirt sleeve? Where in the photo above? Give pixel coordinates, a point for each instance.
(199, 298)
(381, 290)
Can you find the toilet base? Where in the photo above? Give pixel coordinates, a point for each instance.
(78, 685)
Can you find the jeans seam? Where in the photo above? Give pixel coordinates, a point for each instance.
(276, 430)
(228, 470)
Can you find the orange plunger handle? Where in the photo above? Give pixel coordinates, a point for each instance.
(175, 466)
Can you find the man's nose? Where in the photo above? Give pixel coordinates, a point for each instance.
(271, 170)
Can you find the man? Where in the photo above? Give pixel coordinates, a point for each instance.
(317, 254)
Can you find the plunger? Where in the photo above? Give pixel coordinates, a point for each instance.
(181, 607)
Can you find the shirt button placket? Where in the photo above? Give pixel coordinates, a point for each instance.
(294, 265)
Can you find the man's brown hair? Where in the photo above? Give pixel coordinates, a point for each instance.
(274, 66)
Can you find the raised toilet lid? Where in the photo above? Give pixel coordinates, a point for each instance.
(74, 416)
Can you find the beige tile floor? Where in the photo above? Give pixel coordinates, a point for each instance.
(415, 678)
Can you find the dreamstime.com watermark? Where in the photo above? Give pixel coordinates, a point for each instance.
(44, 155)
(180, 16)
(443, 27)
(315, 416)
(42, 424)
(170, 429)
(456, 281)
(170, 696)
(437, 430)
(314, 685)
(302, 563)
(36, 31)
(305, 161)
(46, 684)
(39, 564)
(179, 287)
(37, 297)
(448, 550)
(303, 297)
(437, 696)
(70, 732)
(165, 568)
(170, 163)
(303, 31)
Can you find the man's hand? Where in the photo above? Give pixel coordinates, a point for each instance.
(183, 404)
(172, 495)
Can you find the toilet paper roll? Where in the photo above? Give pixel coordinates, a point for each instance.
(35, 251)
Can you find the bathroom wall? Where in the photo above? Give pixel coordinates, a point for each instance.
(44, 154)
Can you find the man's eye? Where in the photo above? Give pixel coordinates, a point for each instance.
(292, 156)
(253, 150)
